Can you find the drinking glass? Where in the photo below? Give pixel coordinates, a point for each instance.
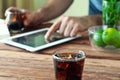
(14, 21)
(68, 64)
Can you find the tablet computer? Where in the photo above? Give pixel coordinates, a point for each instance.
(34, 40)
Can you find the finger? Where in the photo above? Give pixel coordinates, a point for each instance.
(75, 30)
(52, 29)
(11, 9)
(68, 28)
(63, 25)
(6, 12)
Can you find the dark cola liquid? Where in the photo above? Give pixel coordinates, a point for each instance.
(15, 22)
(69, 70)
(15, 26)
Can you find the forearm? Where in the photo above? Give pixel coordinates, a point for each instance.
(52, 9)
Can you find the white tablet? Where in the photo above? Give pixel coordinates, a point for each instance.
(34, 40)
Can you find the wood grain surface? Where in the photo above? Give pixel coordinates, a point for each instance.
(29, 66)
(18, 64)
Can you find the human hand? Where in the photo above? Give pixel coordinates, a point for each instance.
(67, 26)
(11, 9)
(26, 13)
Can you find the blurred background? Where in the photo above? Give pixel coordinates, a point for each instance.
(78, 8)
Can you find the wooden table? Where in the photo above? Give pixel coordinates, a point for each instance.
(18, 64)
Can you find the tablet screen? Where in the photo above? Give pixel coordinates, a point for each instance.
(36, 39)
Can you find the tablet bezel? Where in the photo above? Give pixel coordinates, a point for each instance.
(34, 49)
